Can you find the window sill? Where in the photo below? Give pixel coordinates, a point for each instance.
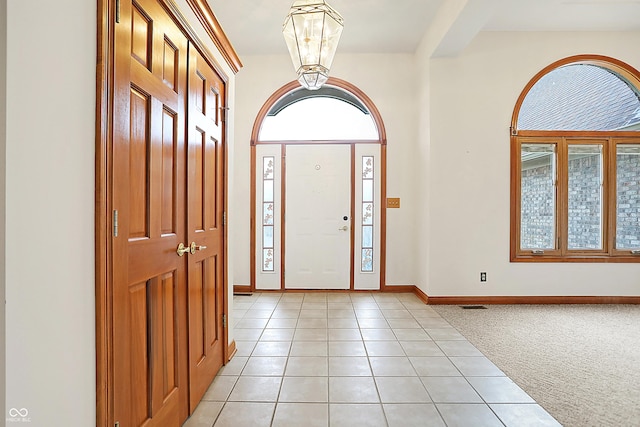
(625, 258)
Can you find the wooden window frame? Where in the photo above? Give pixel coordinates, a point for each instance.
(563, 139)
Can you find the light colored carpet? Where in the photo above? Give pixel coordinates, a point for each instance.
(580, 362)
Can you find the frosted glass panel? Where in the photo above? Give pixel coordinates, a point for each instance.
(367, 190)
(267, 259)
(367, 213)
(268, 170)
(268, 214)
(367, 260)
(267, 238)
(367, 236)
(267, 191)
(367, 167)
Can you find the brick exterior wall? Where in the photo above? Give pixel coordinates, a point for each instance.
(537, 209)
(628, 218)
(584, 205)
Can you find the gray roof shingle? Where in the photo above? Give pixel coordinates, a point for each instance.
(580, 97)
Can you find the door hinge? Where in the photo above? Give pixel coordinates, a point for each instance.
(117, 16)
(225, 112)
(115, 223)
(224, 218)
(224, 320)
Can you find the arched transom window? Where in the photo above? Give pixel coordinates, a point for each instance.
(304, 115)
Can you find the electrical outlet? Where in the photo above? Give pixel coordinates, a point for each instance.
(483, 276)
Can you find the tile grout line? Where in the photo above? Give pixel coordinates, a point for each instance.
(367, 353)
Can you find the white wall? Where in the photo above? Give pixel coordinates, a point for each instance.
(50, 310)
(389, 80)
(421, 163)
(472, 100)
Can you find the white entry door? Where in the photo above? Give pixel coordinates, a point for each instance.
(318, 217)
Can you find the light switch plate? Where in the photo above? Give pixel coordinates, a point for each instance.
(393, 203)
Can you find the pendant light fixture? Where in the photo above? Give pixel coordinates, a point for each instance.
(312, 30)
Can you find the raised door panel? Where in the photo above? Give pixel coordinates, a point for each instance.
(318, 225)
(205, 193)
(149, 278)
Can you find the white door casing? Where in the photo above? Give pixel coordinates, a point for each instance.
(268, 166)
(317, 201)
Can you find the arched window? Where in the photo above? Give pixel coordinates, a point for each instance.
(303, 115)
(575, 168)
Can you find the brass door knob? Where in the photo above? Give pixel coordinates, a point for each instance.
(182, 249)
(193, 248)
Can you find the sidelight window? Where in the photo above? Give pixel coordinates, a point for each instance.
(268, 211)
(368, 209)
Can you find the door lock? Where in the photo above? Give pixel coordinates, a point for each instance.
(343, 228)
(193, 248)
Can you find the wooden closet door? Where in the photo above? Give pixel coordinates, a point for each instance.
(148, 192)
(205, 224)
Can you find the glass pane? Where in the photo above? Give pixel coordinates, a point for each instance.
(267, 192)
(367, 236)
(628, 197)
(367, 213)
(268, 166)
(580, 97)
(367, 190)
(267, 218)
(319, 118)
(367, 167)
(267, 260)
(267, 236)
(585, 197)
(367, 260)
(538, 196)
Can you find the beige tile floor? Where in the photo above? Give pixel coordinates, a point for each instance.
(357, 359)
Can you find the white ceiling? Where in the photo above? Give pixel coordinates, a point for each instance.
(567, 15)
(389, 26)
